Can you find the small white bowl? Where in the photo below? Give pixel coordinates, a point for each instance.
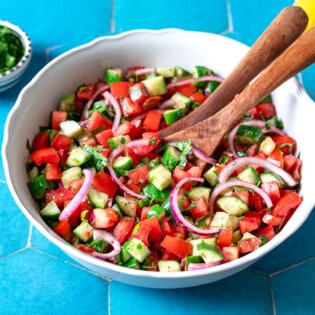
(162, 48)
(12, 76)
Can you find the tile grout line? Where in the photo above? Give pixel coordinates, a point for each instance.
(112, 17)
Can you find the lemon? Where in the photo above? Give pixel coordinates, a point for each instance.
(309, 7)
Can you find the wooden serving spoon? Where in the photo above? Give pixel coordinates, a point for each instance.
(207, 134)
(284, 29)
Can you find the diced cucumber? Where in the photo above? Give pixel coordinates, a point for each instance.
(70, 174)
(248, 235)
(267, 145)
(250, 175)
(181, 72)
(84, 231)
(267, 177)
(171, 157)
(122, 164)
(118, 141)
(212, 86)
(155, 85)
(38, 186)
(220, 219)
(97, 198)
(32, 173)
(50, 211)
(160, 177)
(166, 72)
(200, 71)
(113, 75)
(72, 129)
(156, 211)
(124, 255)
(172, 115)
(154, 194)
(137, 249)
(78, 156)
(99, 245)
(211, 176)
(195, 242)
(232, 205)
(199, 192)
(67, 103)
(181, 101)
(249, 134)
(127, 205)
(237, 235)
(132, 263)
(209, 253)
(169, 266)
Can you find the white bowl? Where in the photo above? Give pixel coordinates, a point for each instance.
(12, 76)
(149, 48)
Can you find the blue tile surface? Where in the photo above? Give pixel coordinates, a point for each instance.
(36, 277)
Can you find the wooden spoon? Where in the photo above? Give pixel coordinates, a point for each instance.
(284, 29)
(207, 134)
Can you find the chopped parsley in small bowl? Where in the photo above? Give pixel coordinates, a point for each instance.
(15, 54)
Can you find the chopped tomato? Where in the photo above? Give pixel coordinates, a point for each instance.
(225, 237)
(129, 107)
(103, 218)
(151, 102)
(248, 224)
(272, 220)
(248, 245)
(85, 92)
(63, 229)
(267, 231)
(75, 216)
(200, 209)
(151, 262)
(103, 136)
(277, 155)
(104, 183)
(139, 175)
(142, 233)
(40, 141)
(155, 232)
(62, 144)
(198, 97)
(153, 142)
(266, 110)
(53, 171)
(123, 229)
(45, 155)
(186, 89)
(138, 93)
(152, 121)
(60, 195)
(272, 189)
(58, 116)
(120, 89)
(286, 204)
(285, 143)
(97, 120)
(86, 249)
(177, 246)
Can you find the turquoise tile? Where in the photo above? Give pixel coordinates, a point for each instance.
(252, 17)
(294, 288)
(245, 292)
(33, 283)
(71, 22)
(201, 15)
(15, 228)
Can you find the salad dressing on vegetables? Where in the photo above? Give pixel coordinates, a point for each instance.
(107, 183)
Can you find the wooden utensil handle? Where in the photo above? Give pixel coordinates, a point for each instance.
(284, 29)
(297, 57)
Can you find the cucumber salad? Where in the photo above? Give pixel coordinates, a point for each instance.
(107, 184)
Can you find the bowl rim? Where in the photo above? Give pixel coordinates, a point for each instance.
(75, 253)
(27, 44)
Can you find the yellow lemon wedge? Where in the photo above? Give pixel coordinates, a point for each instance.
(309, 7)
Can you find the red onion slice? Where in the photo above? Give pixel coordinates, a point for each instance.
(234, 183)
(110, 98)
(79, 197)
(177, 213)
(257, 123)
(200, 155)
(100, 90)
(144, 71)
(200, 266)
(109, 238)
(232, 166)
(192, 80)
(111, 159)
